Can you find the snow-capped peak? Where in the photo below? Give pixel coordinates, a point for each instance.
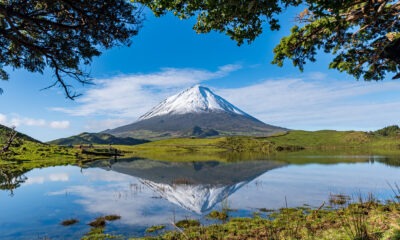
(197, 99)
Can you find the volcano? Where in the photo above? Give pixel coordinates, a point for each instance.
(195, 112)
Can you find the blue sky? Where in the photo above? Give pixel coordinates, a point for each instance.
(168, 56)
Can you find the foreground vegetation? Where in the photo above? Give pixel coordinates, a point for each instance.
(364, 220)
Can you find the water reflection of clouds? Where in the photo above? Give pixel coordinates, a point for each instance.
(312, 184)
(109, 192)
(106, 176)
(53, 177)
(115, 193)
(59, 177)
(34, 180)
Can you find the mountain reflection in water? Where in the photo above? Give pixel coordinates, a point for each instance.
(195, 186)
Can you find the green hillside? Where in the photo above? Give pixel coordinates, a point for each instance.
(97, 138)
(4, 132)
(225, 148)
(26, 152)
(326, 140)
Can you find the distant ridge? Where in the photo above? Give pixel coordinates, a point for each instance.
(97, 138)
(195, 112)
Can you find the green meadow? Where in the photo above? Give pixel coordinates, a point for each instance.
(326, 142)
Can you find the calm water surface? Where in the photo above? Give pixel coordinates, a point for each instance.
(146, 193)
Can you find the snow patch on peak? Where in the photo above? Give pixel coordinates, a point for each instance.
(197, 99)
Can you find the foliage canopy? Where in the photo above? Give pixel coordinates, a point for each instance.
(363, 35)
(63, 35)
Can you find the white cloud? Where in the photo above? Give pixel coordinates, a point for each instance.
(99, 125)
(317, 76)
(304, 104)
(129, 96)
(59, 124)
(312, 101)
(17, 121)
(3, 119)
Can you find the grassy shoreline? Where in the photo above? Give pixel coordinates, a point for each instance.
(363, 220)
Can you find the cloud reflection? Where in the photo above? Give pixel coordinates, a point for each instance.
(53, 177)
(34, 180)
(115, 193)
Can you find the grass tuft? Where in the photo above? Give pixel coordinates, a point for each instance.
(219, 215)
(112, 217)
(155, 228)
(99, 222)
(69, 222)
(187, 223)
(338, 199)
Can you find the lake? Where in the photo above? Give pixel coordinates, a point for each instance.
(147, 192)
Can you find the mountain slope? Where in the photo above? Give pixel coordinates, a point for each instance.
(32, 152)
(192, 112)
(5, 132)
(96, 138)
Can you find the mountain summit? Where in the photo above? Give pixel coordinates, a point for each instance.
(195, 112)
(197, 99)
